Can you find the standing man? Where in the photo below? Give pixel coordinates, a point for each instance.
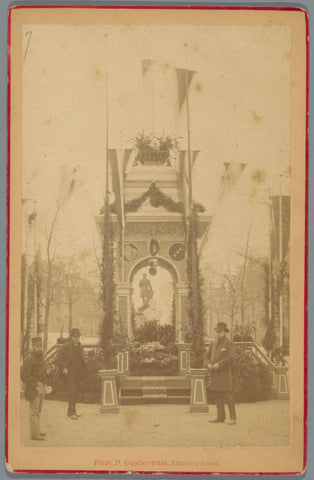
(220, 355)
(33, 374)
(72, 365)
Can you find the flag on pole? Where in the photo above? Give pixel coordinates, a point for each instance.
(231, 174)
(68, 184)
(184, 78)
(146, 64)
(194, 156)
(118, 161)
(277, 223)
(184, 181)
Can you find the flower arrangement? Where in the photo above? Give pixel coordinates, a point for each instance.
(155, 150)
(153, 359)
(153, 351)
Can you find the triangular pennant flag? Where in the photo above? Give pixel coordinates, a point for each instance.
(184, 78)
(280, 220)
(126, 159)
(232, 172)
(145, 65)
(194, 156)
(68, 183)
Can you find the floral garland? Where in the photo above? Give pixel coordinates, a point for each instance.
(157, 199)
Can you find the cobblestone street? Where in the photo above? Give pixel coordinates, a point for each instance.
(259, 424)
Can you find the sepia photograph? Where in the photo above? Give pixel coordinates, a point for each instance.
(157, 240)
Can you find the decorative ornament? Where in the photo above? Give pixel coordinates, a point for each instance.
(154, 247)
(153, 267)
(130, 252)
(177, 252)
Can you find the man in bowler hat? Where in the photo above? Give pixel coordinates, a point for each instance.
(33, 374)
(72, 366)
(220, 355)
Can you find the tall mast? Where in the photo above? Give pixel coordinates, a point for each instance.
(280, 265)
(188, 136)
(107, 135)
(106, 216)
(270, 267)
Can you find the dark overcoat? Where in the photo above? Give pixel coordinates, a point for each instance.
(221, 352)
(32, 372)
(67, 358)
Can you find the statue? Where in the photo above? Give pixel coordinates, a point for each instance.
(146, 290)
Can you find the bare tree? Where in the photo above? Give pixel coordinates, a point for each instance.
(67, 187)
(70, 287)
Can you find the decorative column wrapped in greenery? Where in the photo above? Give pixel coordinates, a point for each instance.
(108, 291)
(196, 330)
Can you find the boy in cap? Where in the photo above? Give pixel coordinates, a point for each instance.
(220, 355)
(72, 365)
(33, 374)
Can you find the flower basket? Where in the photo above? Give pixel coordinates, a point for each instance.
(155, 150)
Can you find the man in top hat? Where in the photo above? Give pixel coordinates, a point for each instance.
(72, 365)
(33, 374)
(220, 355)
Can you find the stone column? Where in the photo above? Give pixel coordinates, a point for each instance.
(120, 363)
(181, 303)
(109, 397)
(126, 360)
(184, 352)
(282, 386)
(124, 305)
(198, 390)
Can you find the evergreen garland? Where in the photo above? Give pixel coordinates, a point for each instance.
(157, 199)
(108, 292)
(195, 333)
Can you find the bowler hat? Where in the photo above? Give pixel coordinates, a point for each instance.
(75, 332)
(221, 326)
(37, 341)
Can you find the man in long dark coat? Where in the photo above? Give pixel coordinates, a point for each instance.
(220, 355)
(33, 374)
(72, 366)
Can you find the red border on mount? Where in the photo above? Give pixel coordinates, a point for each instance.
(8, 235)
(169, 7)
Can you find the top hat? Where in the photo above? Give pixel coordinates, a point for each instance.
(38, 341)
(221, 327)
(75, 332)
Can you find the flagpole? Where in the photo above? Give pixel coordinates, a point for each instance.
(188, 136)
(270, 272)
(107, 135)
(152, 87)
(280, 264)
(106, 216)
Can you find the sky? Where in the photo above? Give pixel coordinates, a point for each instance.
(239, 112)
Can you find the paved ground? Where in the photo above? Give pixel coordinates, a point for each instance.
(259, 424)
